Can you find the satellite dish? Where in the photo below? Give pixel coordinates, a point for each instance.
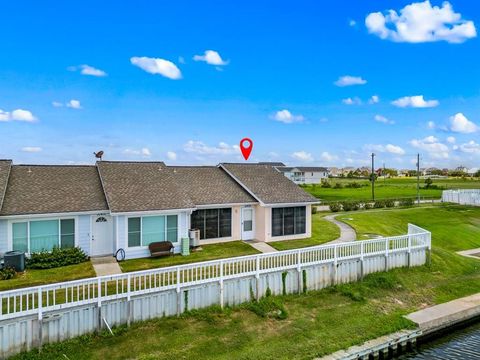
(99, 154)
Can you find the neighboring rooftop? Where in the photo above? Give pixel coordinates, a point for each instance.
(267, 185)
(312, 168)
(271, 163)
(44, 189)
(210, 185)
(5, 166)
(141, 186)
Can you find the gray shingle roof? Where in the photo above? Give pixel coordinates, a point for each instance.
(210, 185)
(43, 189)
(5, 166)
(141, 186)
(267, 184)
(311, 168)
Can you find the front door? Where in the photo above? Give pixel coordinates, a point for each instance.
(102, 235)
(247, 223)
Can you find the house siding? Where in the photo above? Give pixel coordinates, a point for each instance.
(3, 236)
(121, 240)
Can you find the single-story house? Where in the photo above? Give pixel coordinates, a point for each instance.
(127, 205)
(304, 174)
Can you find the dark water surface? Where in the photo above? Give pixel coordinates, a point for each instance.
(459, 344)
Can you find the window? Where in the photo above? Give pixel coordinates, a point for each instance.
(288, 221)
(147, 229)
(43, 235)
(212, 223)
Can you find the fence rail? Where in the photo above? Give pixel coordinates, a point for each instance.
(462, 196)
(46, 298)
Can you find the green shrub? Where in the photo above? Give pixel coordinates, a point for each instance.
(335, 207)
(389, 203)
(314, 209)
(407, 202)
(7, 273)
(268, 307)
(367, 206)
(338, 186)
(326, 184)
(347, 206)
(353, 185)
(56, 258)
(379, 204)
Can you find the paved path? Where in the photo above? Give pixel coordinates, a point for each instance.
(105, 265)
(473, 253)
(261, 246)
(347, 233)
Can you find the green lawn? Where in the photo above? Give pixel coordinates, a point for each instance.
(322, 232)
(318, 322)
(208, 252)
(390, 188)
(39, 277)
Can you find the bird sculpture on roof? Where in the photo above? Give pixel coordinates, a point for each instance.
(98, 155)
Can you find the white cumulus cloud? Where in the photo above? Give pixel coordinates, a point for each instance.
(389, 148)
(199, 147)
(144, 152)
(421, 22)
(451, 140)
(383, 119)
(432, 146)
(302, 156)
(375, 99)
(416, 101)
(460, 124)
(157, 66)
(470, 147)
(287, 117)
(74, 104)
(211, 57)
(31, 149)
(326, 156)
(171, 155)
(88, 70)
(17, 115)
(349, 80)
(352, 101)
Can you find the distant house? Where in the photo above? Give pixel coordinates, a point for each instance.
(127, 205)
(304, 174)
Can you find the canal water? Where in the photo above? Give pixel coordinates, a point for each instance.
(459, 344)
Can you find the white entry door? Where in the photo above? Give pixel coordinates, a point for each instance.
(102, 235)
(248, 223)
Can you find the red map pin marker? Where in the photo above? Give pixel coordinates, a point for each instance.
(246, 145)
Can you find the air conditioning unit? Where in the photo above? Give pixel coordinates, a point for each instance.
(194, 235)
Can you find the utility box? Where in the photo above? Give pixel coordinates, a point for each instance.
(185, 250)
(15, 259)
(194, 235)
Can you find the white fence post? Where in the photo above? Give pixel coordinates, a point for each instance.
(221, 284)
(179, 297)
(387, 246)
(40, 317)
(299, 271)
(362, 254)
(129, 303)
(257, 277)
(99, 302)
(334, 272)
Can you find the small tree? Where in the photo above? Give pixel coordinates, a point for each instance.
(428, 183)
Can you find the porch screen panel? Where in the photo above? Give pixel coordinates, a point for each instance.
(172, 228)
(20, 236)
(277, 221)
(44, 235)
(197, 221)
(67, 231)
(211, 223)
(288, 221)
(134, 232)
(153, 229)
(225, 219)
(300, 220)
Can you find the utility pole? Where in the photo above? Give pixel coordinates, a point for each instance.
(373, 177)
(418, 179)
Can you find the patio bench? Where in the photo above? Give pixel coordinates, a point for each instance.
(161, 248)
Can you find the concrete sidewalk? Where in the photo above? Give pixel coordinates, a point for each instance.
(347, 233)
(105, 265)
(261, 246)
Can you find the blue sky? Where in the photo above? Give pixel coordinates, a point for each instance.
(310, 82)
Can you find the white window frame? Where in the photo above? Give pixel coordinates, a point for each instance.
(28, 220)
(141, 228)
(217, 208)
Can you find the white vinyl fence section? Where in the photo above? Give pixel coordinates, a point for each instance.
(464, 196)
(33, 316)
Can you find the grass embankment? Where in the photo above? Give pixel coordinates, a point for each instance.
(34, 277)
(322, 231)
(208, 252)
(389, 189)
(319, 322)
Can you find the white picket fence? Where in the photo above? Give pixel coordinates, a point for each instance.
(41, 299)
(462, 196)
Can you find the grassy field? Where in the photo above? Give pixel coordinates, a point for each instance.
(33, 277)
(390, 188)
(322, 232)
(318, 322)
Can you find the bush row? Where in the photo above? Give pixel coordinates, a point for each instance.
(8, 272)
(56, 258)
(379, 204)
